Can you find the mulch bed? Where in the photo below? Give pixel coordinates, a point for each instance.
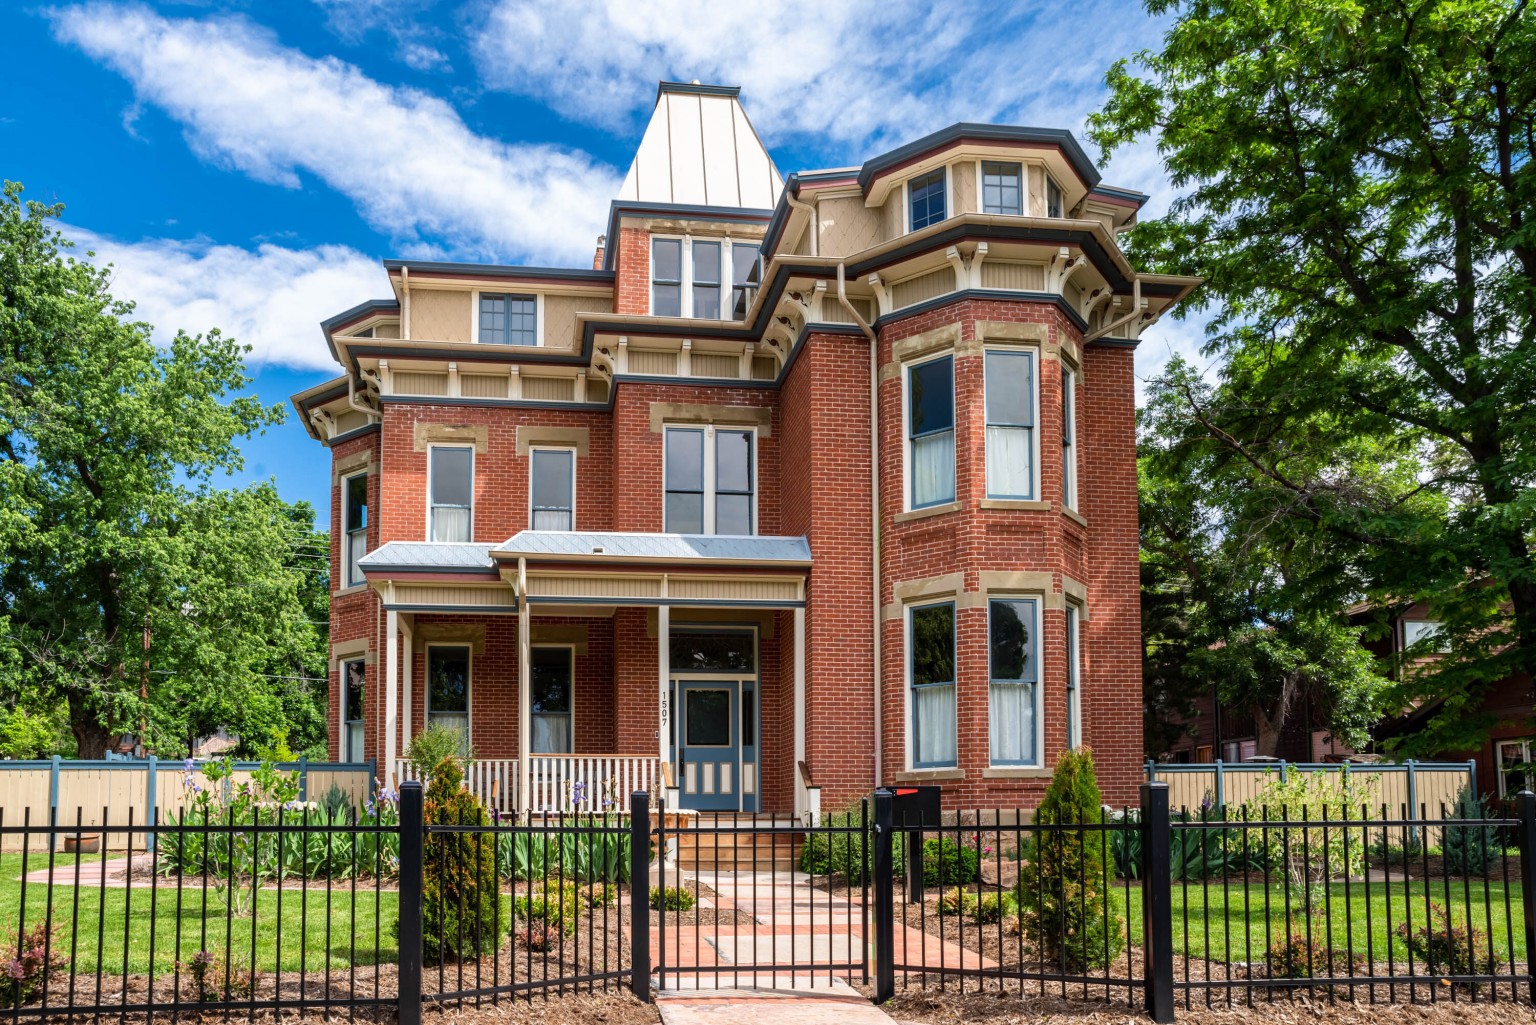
(702, 915)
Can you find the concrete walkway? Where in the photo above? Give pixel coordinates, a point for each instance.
(837, 1004)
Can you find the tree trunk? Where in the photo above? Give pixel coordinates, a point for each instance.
(91, 737)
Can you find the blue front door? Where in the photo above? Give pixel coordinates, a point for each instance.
(711, 745)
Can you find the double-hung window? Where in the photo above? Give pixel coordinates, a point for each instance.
(925, 200)
(549, 678)
(1068, 438)
(552, 488)
(931, 677)
(1074, 666)
(1054, 206)
(1013, 658)
(1010, 398)
(452, 487)
(689, 277)
(356, 528)
(710, 481)
(1002, 190)
(509, 319)
(352, 675)
(448, 688)
(931, 431)
(746, 272)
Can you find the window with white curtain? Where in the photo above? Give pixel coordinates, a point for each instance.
(356, 528)
(1013, 658)
(1068, 437)
(931, 432)
(1010, 398)
(552, 488)
(451, 487)
(448, 688)
(352, 675)
(1074, 664)
(550, 672)
(931, 677)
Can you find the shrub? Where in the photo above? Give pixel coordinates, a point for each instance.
(601, 896)
(847, 854)
(1067, 905)
(208, 979)
(537, 936)
(994, 907)
(33, 954)
(673, 898)
(1292, 957)
(1469, 850)
(555, 906)
(1316, 852)
(1446, 948)
(946, 863)
(430, 748)
(954, 901)
(460, 892)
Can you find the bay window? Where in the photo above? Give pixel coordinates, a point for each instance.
(352, 676)
(1074, 660)
(552, 488)
(451, 489)
(1053, 198)
(931, 680)
(1010, 413)
(1002, 190)
(1013, 672)
(356, 528)
(931, 432)
(710, 481)
(926, 199)
(1068, 438)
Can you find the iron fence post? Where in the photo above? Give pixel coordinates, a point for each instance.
(1525, 802)
(885, 897)
(412, 840)
(639, 896)
(1157, 901)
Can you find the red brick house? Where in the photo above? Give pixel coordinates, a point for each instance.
(805, 484)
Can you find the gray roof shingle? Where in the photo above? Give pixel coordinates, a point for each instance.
(429, 555)
(661, 547)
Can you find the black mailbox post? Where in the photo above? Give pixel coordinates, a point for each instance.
(916, 809)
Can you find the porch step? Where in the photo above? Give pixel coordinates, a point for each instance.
(725, 845)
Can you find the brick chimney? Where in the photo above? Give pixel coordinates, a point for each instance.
(597, 257)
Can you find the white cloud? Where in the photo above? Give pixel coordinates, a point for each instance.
(270, 297)
(405, 158)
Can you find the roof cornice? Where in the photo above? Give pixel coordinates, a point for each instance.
(1060, 138)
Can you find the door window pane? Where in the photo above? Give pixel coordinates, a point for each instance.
(708, 717)
(706, 280)
(730, 651)
(925, 198)
(553, 484)
(1000, 189)
(451, 490)
(667, 277)
(549, 688)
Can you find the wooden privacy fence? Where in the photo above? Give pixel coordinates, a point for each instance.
(1412, 789)
(35, 788)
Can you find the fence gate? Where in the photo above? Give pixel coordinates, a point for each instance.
(759, 901)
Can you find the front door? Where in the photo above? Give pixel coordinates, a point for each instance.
(710, 752)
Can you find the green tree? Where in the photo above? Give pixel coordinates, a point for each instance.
(1358, 192)
(133, 591)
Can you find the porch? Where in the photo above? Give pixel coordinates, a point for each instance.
(583, 667)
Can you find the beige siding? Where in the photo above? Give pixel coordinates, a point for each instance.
(1016, 277)
(834, 312)
(439, 315)
(962, 188)
(549, 389)
(652, 361)
(560, 317)
(412, 383)
(764, 368)
(387, 331)
(714, 364)
(483, 386)
(892, 213)
(1036, 191)
(847, 226)
(923, 287)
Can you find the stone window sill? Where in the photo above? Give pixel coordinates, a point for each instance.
(1075, 516)
(1015, 504)
(1015, 772)
(354, 589)
(924, 513)
(918, 775)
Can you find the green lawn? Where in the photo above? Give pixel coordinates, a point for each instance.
(316, 928)
(1212, 911)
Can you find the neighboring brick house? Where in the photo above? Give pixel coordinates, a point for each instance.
(621, 521)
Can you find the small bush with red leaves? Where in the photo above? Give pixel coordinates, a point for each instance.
(28, 959)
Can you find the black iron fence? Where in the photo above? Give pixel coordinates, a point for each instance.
(374, 913)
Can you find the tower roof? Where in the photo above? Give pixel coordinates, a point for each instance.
(700, 149)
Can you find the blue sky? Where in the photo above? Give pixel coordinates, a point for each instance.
(246, 165)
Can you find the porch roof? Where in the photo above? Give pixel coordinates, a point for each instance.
(429, 557)
(619, 546)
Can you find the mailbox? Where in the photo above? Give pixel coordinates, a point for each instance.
(915, 807)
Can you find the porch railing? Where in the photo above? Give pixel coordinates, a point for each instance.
(590, 783)
(558, 783)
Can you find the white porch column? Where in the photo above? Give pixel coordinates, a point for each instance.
(391, 689)
(664, 683)
(799, 656)
(408, 657)
(524, 689)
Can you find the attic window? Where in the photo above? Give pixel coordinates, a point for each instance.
(1053, 202)
(508, 319)
(925, 200)
(687, 277)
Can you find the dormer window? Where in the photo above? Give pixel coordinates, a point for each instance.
(509, 319)
(1053, 201)
(687, 277)
(925, 200)
(1002, 189)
